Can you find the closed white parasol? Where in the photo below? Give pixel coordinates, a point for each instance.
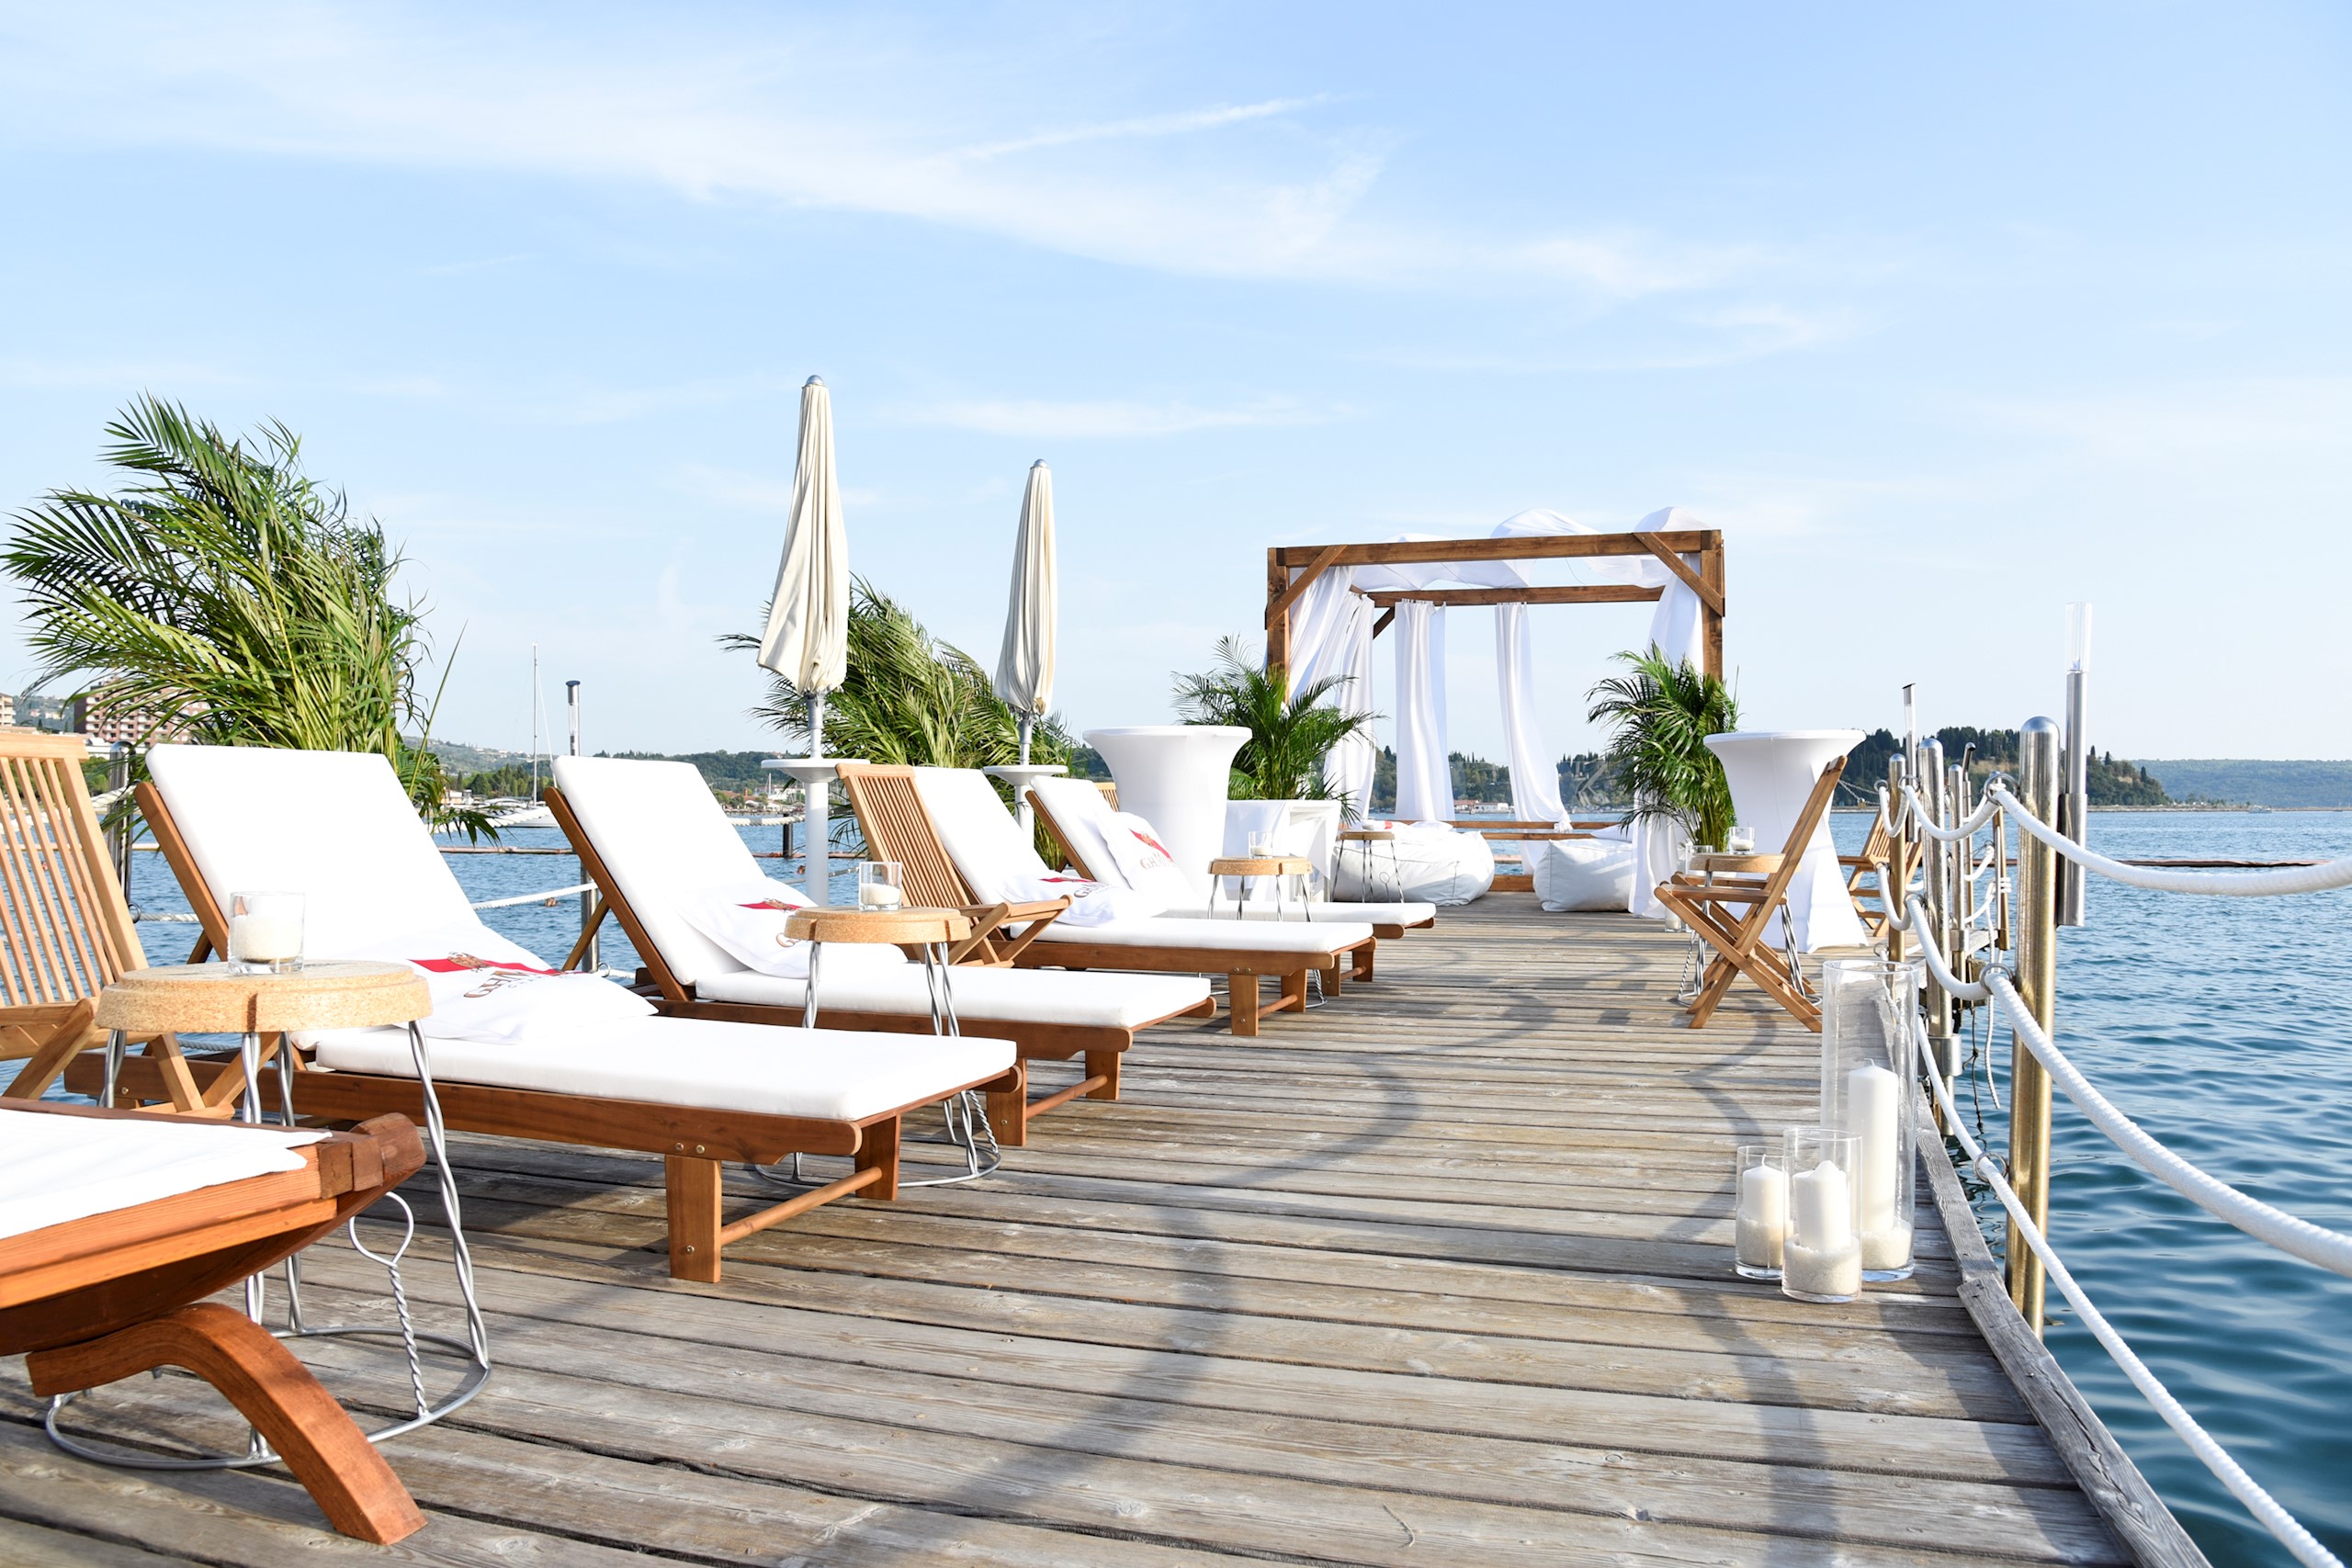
(1024, 669)
(807, 640)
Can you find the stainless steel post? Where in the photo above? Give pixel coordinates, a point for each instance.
(1934, 998)
(2074, 818)
(1897, 875)
(593, 958)
(2037, 972)
(118, 836)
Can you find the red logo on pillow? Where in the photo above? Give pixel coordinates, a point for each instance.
(501, 973)
(1151, 843)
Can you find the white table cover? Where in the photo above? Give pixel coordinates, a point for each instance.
(56, 1168)
(1773, 773)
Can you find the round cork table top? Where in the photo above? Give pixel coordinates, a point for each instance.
(914, 924)
(214, 998)
(1260, 865)
(1367, 835)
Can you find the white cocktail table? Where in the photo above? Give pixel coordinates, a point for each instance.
(1772, 772)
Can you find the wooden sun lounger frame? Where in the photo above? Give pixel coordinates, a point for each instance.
(99, 1299)
(1738, 939)
(891, 814)
(694, 1142)
(1877, 850)
(1010, 1109)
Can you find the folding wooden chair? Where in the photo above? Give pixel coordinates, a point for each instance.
(1732, 907)
(65, 928)
(1871, 862)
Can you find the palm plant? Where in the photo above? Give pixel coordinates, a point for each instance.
(1291, 733)
(1662, 712)
(226, 597)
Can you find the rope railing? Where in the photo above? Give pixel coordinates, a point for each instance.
(550, 893)
(2321, 878)
(1954, 986)
(2211, 1453)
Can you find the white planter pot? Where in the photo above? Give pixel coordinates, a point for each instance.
(1175, 776)
(1772, 772)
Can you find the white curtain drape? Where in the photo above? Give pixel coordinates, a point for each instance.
(1534, 777)
(1330, 634)
(1424, 778)
(1678, 631)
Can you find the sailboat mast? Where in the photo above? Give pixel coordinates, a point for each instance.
(535, 723)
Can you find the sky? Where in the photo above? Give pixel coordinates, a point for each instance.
(1945, 319)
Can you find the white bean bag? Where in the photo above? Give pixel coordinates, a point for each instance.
(1432, 864)
(1584, 873)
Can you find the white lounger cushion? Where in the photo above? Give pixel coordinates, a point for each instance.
(832, 1074)
(58, 1168)
(1079, 807)
(1238, 936)
(1038, 995)
(1319, 911)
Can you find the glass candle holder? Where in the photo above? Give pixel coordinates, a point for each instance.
(1761, 1177)
(1822, 1259)
(1869, 1087)
(265, 932)
(881, 885)
(1741, 839)
(1261, 846)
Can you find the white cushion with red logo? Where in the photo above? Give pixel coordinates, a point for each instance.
(748, 919)
(486, 987)
(1144, 861)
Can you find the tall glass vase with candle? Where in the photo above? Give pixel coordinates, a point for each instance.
(1870, 1089)
(1762, 1176)
(881, 885)
(1822, 1259)
(265, 932)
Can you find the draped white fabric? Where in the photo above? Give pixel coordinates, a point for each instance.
(1024, 666)
(806, 639)
(1330, 635)
(1424, 778)
(1534, 777)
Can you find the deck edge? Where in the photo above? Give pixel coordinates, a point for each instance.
(2142, 1524)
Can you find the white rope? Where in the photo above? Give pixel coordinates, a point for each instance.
(1967, 827)
(2260, 1502)
(536, 898)
(2330, 1249)
(1952, 983)
(2227, 884)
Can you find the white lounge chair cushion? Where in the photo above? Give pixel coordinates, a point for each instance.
(748, 919)
(1000, 864)
(1030, 996)
(486, 987)
(1224, 935)
(663, 839)
(1318, 911)
(57, 1169)
(1584, 873)
(827, 1074)
(1081, 810)
(1143, 861)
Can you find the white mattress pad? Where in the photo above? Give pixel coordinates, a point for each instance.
(1033, 996)
(58, 1168)
(1223, 935)
(1319, 911)
(829, 1074)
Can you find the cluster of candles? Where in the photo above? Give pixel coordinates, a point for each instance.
(1820, 1213)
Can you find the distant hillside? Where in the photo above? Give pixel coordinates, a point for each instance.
(2253, 782)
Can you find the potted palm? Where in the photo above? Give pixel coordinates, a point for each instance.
(1291, 732)
(1660, 713)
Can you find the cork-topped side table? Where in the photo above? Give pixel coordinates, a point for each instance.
(1365, 840)
(170, 1001)
(934, 931)
(1247, 869)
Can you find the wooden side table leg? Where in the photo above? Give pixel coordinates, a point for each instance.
(339, 1467)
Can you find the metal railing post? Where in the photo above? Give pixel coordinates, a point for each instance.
(1934, 998)
(1897, 875)
(2037, 972)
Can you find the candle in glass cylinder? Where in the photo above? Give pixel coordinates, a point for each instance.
(880, 896)
(1872, 1105)
(1763, 1218)
(1822, 1258)
(265, 938)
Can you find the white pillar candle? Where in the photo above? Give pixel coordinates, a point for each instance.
(880, 896)
(1822, 1272)
(1822, 1206)
(1763, 1218)
(1872, 1098)
(264, 939)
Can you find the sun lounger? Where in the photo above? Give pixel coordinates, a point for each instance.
(652, 838)
(1076, 814)
(950, 832)
(104, 1273)
(337, 827)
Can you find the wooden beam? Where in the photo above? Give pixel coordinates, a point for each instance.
(1381, 625)
(1688, 541)
(1604, 593)
(1277, 627)
(1711, 567)
(1289, 593)
(1681, 569)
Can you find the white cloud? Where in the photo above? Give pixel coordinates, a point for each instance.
(1079, 421)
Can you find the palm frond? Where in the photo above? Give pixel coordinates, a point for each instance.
(1661, 712)
(1291, 732)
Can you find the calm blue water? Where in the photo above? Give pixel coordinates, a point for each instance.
(2222, 1025)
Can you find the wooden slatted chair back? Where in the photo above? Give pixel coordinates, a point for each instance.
(65, 928)
(897, 827)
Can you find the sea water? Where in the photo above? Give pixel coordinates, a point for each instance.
(2222, 1025)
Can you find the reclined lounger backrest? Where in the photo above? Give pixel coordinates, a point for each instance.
(996, 860)
(1078, 809)
(334, 826)
(663, 839)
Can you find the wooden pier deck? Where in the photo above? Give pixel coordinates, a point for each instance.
(1437, 1274)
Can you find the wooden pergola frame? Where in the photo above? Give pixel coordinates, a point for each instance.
(1311, 562)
